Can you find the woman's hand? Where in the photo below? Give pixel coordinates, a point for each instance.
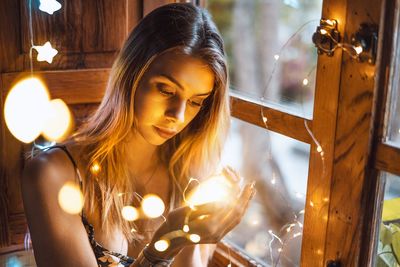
(211, 221)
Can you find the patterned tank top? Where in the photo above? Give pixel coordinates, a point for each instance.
(104, 256)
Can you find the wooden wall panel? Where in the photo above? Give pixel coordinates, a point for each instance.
(88, 35)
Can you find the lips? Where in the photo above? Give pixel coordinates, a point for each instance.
(165, 133)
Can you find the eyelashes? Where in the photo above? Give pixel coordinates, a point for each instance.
(169, 92)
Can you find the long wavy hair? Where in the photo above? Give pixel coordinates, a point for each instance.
(194, 152)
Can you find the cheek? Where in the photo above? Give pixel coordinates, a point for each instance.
(190, 116)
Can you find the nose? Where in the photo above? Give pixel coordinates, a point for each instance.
(176, 110)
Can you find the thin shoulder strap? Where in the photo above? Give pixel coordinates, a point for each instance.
(78, 174)
(64, 148)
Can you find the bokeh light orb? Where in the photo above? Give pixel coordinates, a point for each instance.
(161, 245)
(25, 107)
(194, 238)
(95, 168)
(58, 121)
(130, 213)
(152, 206)
(70, 198)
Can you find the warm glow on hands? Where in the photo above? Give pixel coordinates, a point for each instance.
(214, 189)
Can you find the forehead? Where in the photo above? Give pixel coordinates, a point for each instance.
(192, 73)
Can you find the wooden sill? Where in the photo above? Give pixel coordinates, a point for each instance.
(226, 253)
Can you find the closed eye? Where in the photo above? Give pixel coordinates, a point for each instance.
(197, 102)
(165, 90)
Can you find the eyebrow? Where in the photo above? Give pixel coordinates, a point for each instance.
(179, 85)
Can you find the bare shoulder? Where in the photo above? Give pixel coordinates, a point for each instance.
(49, 169)
(59, 238)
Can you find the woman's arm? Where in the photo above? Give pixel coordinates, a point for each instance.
(59, 239)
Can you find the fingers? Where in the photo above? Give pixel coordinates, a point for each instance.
(215, 227)
(232, 175)
(236, 214)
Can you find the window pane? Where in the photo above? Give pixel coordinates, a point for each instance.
(279, 165)
(393, 110)
(256, 33)
(388, 253)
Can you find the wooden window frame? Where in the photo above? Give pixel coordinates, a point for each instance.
(343, 228)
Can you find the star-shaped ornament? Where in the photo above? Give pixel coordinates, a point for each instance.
(45, 52)
(49, 6)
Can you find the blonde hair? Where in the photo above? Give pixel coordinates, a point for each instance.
(178, 28)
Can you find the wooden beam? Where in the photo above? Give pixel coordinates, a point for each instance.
(351, 143)
(277, 121)
(226, 253)
(325, 117)
(388, 159)
(72, 86)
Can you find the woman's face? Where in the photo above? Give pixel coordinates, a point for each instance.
(170, 94)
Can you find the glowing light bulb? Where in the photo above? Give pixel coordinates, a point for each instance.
(58, 121)
(214, 189)
(276, 57)
(201, 217)
(25, 107)
(330, 22)
(45, 52)
(305, 81)
(95, 168)
(70, 198)
(358, 49)
(319, 148)
(49, 6)
(255, 222)
(323, 31)
(186, 228)
(265, 119)
(130, 213)
(152, 206)
(161, 245)
(296, 235)
(194, 238)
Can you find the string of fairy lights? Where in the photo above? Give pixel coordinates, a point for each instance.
(28, 106)
(354, 52)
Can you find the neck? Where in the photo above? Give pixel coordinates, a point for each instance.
(141, 157)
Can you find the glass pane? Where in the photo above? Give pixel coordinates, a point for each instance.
(279, 165)
(388, 253)
(393, 110)
(270, 53)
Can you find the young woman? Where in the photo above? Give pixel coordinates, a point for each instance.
(162, 120)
